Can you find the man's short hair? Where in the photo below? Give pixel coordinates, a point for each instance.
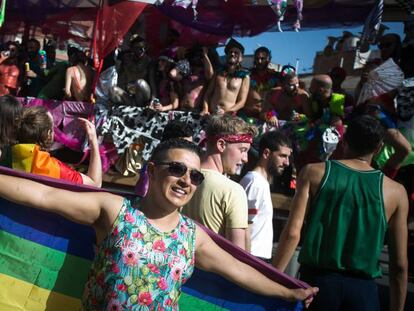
(160, 152)
(177, 129)
(364, 134)
(233, 44)
(273, 141)
(229, 125)
(263, 49)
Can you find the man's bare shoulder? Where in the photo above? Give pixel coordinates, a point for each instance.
(393, 188)
(314, 169)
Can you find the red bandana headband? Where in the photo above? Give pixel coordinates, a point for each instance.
(234, 138)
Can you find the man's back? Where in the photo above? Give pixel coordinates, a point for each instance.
(218, 203)
(346, 222)
(394, 205)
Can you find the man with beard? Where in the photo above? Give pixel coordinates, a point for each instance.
(325, 106)
(220, 203)
(228, 89)
(262, 79)
(274, 152)
(282, 102)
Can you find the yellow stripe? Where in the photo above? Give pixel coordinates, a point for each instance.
(22, 157)
(17, 295)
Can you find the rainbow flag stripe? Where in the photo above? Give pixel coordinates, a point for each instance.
(45, 260)
(30, 159)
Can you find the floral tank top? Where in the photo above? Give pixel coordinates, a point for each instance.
(138, 267)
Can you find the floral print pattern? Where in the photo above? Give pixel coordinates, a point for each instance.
(138, 267)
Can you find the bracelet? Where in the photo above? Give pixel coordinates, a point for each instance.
(270, 114)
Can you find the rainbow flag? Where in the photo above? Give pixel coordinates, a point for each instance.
(45, 259)
(30, 159)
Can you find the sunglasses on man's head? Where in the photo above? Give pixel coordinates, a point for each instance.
(179, 169)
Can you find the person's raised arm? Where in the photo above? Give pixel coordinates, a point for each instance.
(242, 96)
(210, 257)
(290, 236)
(208, 67)
(90, 208)
(397, 242)
(94, 176)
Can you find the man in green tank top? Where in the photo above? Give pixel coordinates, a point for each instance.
(348, 207)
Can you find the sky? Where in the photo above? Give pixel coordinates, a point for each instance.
(287, 46)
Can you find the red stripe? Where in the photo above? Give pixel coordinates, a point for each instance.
(253, 211)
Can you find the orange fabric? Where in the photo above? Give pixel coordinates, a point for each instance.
(29, 158)
(44, 164)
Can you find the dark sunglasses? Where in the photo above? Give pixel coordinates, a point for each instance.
(178, 169)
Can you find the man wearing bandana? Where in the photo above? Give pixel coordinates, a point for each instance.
(220, 203)
(228, 89)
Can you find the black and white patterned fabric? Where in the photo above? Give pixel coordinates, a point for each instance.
(126, 125)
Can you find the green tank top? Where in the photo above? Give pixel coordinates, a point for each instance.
(346, 222)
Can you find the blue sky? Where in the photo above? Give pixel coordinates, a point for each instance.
(287, 46)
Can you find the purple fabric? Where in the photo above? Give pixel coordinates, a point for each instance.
(236, 18)
(68, 130)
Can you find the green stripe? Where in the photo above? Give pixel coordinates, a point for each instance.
(188, 302)
(43, 266)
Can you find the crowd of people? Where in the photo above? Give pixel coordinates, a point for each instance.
(342, 206)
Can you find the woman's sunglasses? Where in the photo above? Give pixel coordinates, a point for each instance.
(178, 169)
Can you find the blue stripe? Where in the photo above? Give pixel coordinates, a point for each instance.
(47, 229)
(217, 290)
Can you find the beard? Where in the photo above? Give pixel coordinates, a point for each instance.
(261, 66)
(275, 170)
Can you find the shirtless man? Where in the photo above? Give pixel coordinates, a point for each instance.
(227, 92)
(262, 80)
(193, 85)
(282, 101)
